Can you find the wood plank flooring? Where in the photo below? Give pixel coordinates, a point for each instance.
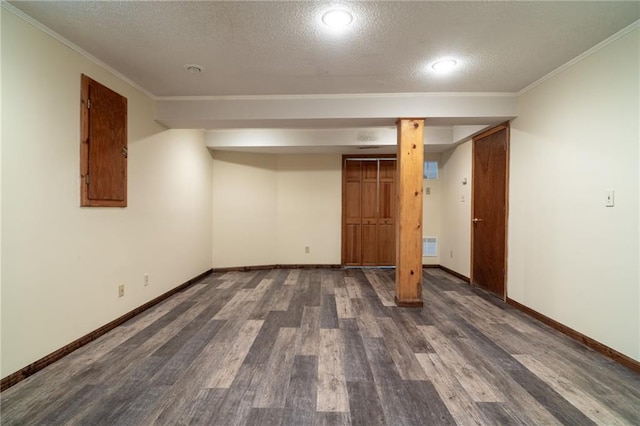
(327, 347)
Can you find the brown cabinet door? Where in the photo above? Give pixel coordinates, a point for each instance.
(103, 146)
(369, 209)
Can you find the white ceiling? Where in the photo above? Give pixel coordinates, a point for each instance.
(282, 48)
(273, 65)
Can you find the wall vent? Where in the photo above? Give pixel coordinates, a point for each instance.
(430, 246)
(367, 136)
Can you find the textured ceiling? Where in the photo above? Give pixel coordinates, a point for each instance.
(281, 48)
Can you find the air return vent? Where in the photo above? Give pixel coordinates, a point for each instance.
(367, 136)
(430, 246)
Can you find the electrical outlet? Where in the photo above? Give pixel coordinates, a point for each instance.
(307, 249)
(121, 290)
(146, 280)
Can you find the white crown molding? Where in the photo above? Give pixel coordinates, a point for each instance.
(582, 56)
(337, 96)
(28, 19)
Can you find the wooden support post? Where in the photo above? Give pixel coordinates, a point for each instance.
(409, 212)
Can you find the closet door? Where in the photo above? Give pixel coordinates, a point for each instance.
(386, 209)
(351, 214)
(369, 192)
(369, 213)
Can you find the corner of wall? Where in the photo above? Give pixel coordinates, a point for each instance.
(571, 258)
(86, 253)
(456, 209)
(309, 209)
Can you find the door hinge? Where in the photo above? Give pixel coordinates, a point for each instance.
(88, 103)
(86, 179)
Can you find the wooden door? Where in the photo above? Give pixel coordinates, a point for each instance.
(368, 212)
(387, 212)
(103, 146)
(351, 213)
(489, 223)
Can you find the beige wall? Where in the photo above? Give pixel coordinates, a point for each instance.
(268, 208)
(432, 208)
(570, 257)
(62, 264)
(309, 209)
(455, 244)
(245, 206)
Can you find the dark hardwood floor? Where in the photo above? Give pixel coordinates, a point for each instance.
(328, 347)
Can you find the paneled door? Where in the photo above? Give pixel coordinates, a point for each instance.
(489, 223)
(386, 213)
(368, 206)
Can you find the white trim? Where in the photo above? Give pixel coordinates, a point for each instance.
(20, 14)
(338, 96)
(582, 56)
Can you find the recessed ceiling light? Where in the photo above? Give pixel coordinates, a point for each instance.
(337, 18)
(444, 65)
(194, 68)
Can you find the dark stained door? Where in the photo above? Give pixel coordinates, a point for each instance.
(103, 147)
(489, 216)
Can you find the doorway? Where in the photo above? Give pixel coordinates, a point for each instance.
(490, 170)
(368, 211)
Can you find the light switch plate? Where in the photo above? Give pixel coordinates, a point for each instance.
(610, 197)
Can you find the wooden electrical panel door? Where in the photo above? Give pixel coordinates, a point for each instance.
(368, 212)
(103, 146)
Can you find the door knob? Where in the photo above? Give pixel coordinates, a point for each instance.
(476, 220)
